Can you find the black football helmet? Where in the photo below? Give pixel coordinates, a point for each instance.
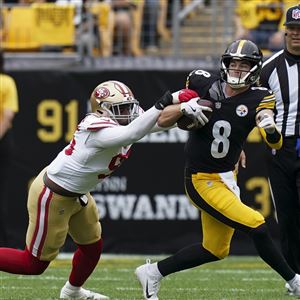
(242, 50)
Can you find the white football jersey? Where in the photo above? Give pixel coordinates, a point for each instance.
(80, 166)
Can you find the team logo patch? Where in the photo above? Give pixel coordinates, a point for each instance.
(296, 14)
(218, 105)
(102, 93)
(242, 110)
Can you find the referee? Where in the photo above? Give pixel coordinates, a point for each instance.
(281, 73)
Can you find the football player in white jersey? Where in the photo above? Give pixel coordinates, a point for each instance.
(59, 202)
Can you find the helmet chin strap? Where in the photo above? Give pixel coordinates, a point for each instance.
(237, 86)
(237, 82)
(103, 113)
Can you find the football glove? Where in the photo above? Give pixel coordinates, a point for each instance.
(181, 96)
(164, 101)
(267, 123)
(184, 95)
(195, 111)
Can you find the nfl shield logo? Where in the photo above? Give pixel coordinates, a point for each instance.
(296, 14)
(218, 105)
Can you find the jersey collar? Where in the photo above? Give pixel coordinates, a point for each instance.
(291, 59)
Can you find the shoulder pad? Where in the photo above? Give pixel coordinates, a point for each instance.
(260, 88)
(200, 81)
(94, 122)
(264, 91)
(267, 100)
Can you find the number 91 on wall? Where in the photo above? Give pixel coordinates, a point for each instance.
(57, 120)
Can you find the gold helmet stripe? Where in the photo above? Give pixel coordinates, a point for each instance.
(240, 47)
(122, 88)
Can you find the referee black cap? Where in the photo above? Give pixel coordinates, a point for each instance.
(293, 16)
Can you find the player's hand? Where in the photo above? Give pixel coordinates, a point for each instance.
(183, 95)
(164, 101)
(195, 111)
(241, 162)
(267, 123)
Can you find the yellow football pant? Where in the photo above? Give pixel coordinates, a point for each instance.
(221, 210)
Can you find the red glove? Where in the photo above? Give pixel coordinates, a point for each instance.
(184, 95)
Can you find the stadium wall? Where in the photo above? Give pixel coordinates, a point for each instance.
(142, 206)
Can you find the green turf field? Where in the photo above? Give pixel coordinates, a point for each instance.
(235, 278)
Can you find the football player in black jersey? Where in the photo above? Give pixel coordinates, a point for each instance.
(211, 152)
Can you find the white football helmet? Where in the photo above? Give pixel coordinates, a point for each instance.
(117, 100)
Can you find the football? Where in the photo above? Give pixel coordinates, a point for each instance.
(187, 123)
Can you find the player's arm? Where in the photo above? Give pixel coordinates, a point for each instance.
(172, 113)
(197, 84)
(267, 127)
(170, 116)
(6, 122)
(192, 109)
(11, 107)
(115, 136)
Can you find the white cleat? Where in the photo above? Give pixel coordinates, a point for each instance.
(295, 287)
(289, 289)
(149, 281)
(67, 293)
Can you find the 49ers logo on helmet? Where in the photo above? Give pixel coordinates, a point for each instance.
(102, 93)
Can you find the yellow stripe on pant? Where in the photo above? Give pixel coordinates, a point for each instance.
(222, 211)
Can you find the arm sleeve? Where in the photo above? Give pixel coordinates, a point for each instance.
(125, 135)
(273, 140)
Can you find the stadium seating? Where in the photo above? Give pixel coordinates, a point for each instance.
(37, 26)
(19, 29)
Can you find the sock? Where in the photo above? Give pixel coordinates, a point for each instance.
(72, 287)
(85, 260)
(21, 262)
(189, 257)
(269, 253)
(153, 268)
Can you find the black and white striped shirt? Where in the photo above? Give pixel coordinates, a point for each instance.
(280, 73)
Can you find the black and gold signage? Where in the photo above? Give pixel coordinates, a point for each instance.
(146, 193)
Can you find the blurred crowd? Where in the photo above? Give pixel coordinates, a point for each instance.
(108, 27)
(131, 27)
(262, 22)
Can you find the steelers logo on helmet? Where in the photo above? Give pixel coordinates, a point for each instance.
(117, 100)
(247, 51)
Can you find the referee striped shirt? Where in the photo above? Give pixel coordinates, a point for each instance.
(280, 73)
